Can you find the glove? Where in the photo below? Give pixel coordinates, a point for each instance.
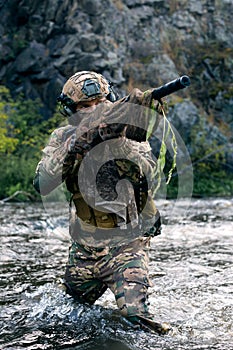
(80, 145)
(111, 131)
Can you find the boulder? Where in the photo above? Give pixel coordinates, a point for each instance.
(32, 59)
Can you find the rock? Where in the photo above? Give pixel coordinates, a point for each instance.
(36, 20)
(138, 3)
(52, 90)
(31, 59)
(224, 103)
(142, 13)
(68, 65)
(88, 42)
(163, 68)
(184, 116)
(185, 20)
(55, 45)
(72, 46)
(196, 7)
(134, 43)
(92, 7)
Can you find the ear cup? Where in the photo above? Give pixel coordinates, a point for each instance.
(112, 96)
(67, 105)
(68, 112)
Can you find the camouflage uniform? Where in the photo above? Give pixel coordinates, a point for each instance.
(94, 267)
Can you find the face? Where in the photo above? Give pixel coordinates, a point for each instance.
(89, 106)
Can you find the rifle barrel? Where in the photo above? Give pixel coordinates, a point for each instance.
(172, 86)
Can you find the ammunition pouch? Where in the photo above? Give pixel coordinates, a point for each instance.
(91, 218)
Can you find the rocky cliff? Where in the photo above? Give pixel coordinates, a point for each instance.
(134, 43)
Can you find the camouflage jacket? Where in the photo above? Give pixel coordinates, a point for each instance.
(101, 162)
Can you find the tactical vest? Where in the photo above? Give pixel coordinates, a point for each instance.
(89, 217)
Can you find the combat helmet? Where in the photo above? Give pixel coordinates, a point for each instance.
(85, 86)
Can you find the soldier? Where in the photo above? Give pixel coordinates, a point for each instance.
(110, 228)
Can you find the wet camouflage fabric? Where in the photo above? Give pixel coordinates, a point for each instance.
(122, 269)
(92, 269)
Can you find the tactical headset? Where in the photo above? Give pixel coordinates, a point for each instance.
(90, 88)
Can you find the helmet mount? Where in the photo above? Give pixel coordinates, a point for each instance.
(91, 88)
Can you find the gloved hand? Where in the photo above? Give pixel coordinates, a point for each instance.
(111, 131)
(78, 144)
(75, 149)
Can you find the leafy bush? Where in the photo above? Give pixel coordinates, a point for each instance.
(211, 174)
(23, 134)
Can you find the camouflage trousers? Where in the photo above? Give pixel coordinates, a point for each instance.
(123, 269)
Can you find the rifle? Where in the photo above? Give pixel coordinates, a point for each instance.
(137, 133)
(172, 86)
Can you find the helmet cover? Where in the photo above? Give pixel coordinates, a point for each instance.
(86, 86)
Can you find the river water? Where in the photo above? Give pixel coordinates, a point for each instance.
(191, 268)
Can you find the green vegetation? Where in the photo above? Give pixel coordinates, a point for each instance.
(211, 174)
(23, 134)
(206, 183)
